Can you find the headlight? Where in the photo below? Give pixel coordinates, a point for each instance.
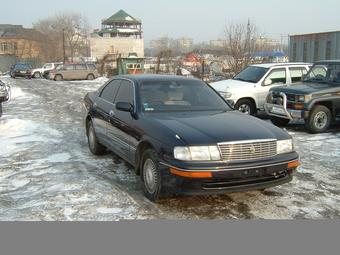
(197, 153)
(301, 99)
(226, 95)
(285, 146)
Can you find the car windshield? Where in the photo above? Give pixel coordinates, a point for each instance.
(251, 74)
(324, 73)
(180, 96)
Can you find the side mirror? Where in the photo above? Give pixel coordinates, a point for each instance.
(268, 82)
(124, 107)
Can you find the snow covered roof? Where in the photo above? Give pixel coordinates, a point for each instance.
(121, 17)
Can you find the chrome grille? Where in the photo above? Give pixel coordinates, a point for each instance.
(248, 150)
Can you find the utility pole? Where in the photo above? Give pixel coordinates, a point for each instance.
(203, 68)
(64, 49)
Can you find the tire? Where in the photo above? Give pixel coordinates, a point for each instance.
(151, 176)
(95, 147)
(246, 106)
(280, 122)
(319, 120)
(37, 75)
(90, 77)
(58, 77)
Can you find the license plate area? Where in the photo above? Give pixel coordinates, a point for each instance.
(277, 110)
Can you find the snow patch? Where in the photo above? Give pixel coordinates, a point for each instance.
(104, 210)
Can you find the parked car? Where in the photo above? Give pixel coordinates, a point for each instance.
(316, 99)
(40, 72)
(74, 72)
(182, 137)
(248, 90)
(21, 70)
(5, 93)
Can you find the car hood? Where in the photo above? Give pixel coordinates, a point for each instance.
(229, 85)
(212, 128)
(303, 88)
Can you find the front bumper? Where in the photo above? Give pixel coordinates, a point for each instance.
(228, 179)
(281, 111)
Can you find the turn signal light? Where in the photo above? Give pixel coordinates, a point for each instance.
(298, 106)
(294, 164)
(193, 175)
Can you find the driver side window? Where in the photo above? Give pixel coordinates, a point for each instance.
(276, 76)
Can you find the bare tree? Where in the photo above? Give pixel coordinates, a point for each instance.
(66, 30)
(240, 44)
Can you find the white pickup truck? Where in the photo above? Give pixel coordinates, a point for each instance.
(248, 90)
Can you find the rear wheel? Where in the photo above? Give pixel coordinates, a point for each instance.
(90, 77)
(151, 176)
(279, 121)
(95, 147)
(37, 75)
(246, 106)
(58, 77)
(319, 120)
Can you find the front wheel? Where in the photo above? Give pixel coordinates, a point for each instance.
(58, 77)
(151, 176)
(95, 147)
(37, 75)
(246, 106)
(319, 120)
(279, 121)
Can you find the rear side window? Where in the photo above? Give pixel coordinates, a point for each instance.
(296, 73)
(91, 67)
(110, 91)
(125, 93)
(68, 67)
(80, 67)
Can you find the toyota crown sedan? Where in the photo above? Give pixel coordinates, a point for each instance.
(182, 137)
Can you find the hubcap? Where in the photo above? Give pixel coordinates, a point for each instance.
(150, 176)
(320, 120)
(92, 139)
(244, 108)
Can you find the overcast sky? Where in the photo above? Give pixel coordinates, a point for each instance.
(201, 20)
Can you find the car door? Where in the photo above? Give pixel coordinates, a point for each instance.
(120, 126)
(102, 107)
(80, 72)
(67, 72)
(276, 77)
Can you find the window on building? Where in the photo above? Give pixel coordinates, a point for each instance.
(4, 46)
(305, 52)
(316, 51)
(328, 50)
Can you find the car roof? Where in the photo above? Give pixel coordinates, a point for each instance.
(269, 65)
(154, 77)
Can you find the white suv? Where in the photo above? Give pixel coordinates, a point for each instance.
(39, 72)
(248, 90)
